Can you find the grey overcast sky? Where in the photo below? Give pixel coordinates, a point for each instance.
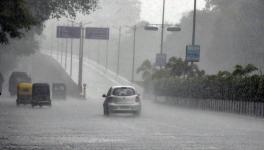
(151, 9)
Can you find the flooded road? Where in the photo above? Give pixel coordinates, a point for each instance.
(80, 124)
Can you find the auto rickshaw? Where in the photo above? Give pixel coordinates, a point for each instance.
(40, 95)
(59, 91)
(16, 78)
(24, 93)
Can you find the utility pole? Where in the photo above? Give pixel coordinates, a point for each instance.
(58, 45)
(81, 58)
(134, 53)
(118, 51)
(51, 42)
(98, 52)
(71, 54)
(57, 48)
(106, 59)
(61, 51)
(66, 54)
(162, 28)
(194, 23)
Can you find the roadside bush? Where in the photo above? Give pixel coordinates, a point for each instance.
(211, 87)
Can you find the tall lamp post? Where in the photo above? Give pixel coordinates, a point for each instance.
(82, 36)
(118, 51)
(162, 28)
(134, 28)
(66, 54)
(171, 29)
(194, 23)
(81, 58)
(71, 54)
(134, 53)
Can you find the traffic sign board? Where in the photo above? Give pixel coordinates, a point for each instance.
(193, 53)
(161, 59)
(97, 33)
(68, 32)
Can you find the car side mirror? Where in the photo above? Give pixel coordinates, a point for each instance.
(103, 95)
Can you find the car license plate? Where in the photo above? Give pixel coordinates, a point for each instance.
(125, 107)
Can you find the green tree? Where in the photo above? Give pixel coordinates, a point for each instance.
(250, 68)
(244, 71)
(176, 67)
(146, 70)
(239, 71)
(18, 16)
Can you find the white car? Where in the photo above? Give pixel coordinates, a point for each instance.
(122, 99)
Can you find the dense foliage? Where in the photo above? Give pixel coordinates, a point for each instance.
(180, 79)
(22, 20)
(230, 32)
(18, 16)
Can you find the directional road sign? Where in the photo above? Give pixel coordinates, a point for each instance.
(68, 32)
(193, 53)
(97, 33)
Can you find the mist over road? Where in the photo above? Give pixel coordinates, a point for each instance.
(80, 124)
(76, 124)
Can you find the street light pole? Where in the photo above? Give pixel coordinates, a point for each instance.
(194, 23)
(61, 51)
(66, 54)
(51, 42)
(162, 28)
(118, 51)
(81, 58)
(58, 47)
(134, 53)
(98, 52)
(107, 49)
(71, 54)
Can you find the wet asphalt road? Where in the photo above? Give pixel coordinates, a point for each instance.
(80, 124)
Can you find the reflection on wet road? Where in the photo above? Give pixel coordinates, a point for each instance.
(80, 124)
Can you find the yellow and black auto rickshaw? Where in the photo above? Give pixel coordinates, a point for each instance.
(40, 94)
(24, 93)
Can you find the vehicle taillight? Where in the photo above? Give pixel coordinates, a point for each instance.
(137, 99)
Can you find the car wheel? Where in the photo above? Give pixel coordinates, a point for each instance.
(106, 112)
(17, 103)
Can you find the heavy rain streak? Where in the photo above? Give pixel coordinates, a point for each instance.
(131, 74)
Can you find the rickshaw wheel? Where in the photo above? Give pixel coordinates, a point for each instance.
(17, 103)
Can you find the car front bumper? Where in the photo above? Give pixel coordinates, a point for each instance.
(135, 107)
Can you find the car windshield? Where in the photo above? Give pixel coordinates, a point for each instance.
(124, 91)
(22, 79)
(59, 88)
(41, 90)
